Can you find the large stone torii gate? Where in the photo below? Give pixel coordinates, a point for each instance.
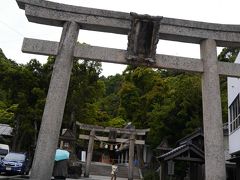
(144, 34)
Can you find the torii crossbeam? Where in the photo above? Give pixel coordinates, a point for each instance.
(73, 18)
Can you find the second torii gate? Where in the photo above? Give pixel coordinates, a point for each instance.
(144, 32)
(132, 133)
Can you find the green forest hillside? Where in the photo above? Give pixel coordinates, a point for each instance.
(167, 102)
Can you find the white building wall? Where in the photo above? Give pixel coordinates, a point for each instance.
(234, 142)
(233, 91)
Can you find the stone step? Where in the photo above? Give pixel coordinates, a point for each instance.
(102, 169)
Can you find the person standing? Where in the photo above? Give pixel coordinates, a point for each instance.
(60, 169)
(114, 171)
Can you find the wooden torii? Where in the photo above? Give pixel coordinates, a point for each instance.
(144, 32)
(132, 133)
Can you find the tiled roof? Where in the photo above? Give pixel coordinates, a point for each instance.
(179, 151)
(173, 151)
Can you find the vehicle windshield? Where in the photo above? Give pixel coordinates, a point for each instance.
(3, 152)
(14, 157)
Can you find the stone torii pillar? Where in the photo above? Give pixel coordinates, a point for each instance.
(131, 156)
(89, 153)
(212, 113)
(55, 103)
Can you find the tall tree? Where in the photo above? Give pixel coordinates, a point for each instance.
(84, 91)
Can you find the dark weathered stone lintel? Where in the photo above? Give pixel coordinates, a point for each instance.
(55, 17)
(73, 9)
(50, 13)
(123, 15)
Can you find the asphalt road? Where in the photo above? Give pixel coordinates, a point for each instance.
(90, 178)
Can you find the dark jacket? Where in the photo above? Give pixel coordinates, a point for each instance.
(60, 168)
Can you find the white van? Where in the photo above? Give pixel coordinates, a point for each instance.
(4, 150)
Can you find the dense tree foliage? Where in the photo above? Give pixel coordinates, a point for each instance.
(23, 91)
(226, 55)
(166, 101)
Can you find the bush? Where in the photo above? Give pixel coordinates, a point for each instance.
(151, 175)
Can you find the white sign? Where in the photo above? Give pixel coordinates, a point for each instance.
(83, 156)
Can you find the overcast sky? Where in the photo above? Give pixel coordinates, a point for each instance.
(14, 25)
